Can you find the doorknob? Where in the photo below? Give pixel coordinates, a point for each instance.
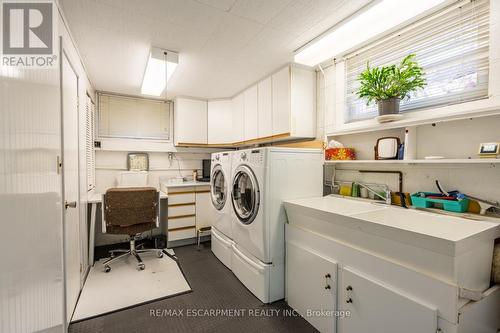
(71, 204)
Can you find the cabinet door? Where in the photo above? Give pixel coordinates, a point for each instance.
(238, 118)
(376, 307)
(265, 107)
(311, 284)
(220, 122)
(203, 209)
(281, 101)
(190, 119)
(251, 113)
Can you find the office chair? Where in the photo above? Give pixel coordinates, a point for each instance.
(130, 211)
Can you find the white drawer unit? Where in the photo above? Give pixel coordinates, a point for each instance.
(181, 210)
(180, 234)
(188, 209)
(181, 198)
(181, 222)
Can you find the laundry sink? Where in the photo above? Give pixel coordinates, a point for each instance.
(449, 247)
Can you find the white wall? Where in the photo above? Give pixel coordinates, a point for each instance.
(109, 164)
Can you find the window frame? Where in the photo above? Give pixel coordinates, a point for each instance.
(128, 137)
(489, 105)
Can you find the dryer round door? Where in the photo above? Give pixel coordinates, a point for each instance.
(218, 190)
(245, 194)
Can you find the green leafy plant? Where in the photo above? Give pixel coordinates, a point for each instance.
(394, 81)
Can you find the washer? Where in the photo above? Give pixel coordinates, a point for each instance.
(220, 173)
(261, 179)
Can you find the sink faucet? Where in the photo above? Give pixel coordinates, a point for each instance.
(387, 191)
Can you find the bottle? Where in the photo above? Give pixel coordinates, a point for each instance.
(195, 175)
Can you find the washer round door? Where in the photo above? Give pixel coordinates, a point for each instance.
(218, 190)
(245, 194)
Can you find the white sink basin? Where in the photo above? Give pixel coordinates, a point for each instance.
(335, 205)
(449, 247)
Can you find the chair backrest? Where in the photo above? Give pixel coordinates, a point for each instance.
(129, 206)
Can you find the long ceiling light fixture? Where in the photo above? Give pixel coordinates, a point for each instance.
(160, 67)
(376, 19)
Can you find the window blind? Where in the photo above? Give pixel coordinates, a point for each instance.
(451, 45)
(89, 143)
(133, 117)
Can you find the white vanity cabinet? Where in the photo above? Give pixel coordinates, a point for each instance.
(379, 294)
(312, 286)
(377, 307)
(190, 122)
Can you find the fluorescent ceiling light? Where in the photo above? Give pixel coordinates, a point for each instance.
(160, 67)
(377, 19)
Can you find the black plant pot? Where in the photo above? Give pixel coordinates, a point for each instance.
(388, 106)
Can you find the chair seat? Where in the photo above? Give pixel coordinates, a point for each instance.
(132, 229)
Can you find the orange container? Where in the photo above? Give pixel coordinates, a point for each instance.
(340, 154)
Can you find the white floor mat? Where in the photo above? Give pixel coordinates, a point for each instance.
(126, 286)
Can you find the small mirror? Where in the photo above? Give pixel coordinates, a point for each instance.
(387, 148)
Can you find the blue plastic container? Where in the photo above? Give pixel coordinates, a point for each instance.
(457, 206)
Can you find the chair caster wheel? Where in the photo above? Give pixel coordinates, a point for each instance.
(107, 268)
(159, 254)
(141, 267)
(112, 255)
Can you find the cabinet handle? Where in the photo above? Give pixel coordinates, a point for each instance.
(71, 204)
(349, 289)
(327, 276)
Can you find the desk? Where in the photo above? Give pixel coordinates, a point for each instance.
(94, 200)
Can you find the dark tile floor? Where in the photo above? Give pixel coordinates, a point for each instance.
(214, 288)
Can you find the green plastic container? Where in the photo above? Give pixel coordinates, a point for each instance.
(459, 206)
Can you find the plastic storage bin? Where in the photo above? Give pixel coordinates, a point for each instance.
(458, 206)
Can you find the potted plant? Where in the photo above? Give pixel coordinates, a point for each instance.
(387, 85)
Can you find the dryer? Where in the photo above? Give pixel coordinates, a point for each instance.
(261, 179)
(220, 173)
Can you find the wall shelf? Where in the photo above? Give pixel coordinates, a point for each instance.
(441, 161)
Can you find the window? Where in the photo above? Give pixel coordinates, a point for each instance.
(133, 117)
(89, 142)
(451, 45)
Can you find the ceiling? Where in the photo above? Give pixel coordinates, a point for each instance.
(224, 45)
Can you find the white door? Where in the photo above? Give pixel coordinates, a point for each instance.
(311, 286)
(204, 217)
(69, 90)
(378, 308)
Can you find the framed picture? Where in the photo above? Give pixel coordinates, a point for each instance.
(138, 162)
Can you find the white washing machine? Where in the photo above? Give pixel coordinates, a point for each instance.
(220, 189)
(261, 179)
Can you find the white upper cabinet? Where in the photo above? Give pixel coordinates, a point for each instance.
(294, 109)
(190, 121)
(238, 107)
(220, 122)
(281, 101)
(251, 113)
(265, 107)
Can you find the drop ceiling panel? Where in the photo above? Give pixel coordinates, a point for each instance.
(224, 45)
